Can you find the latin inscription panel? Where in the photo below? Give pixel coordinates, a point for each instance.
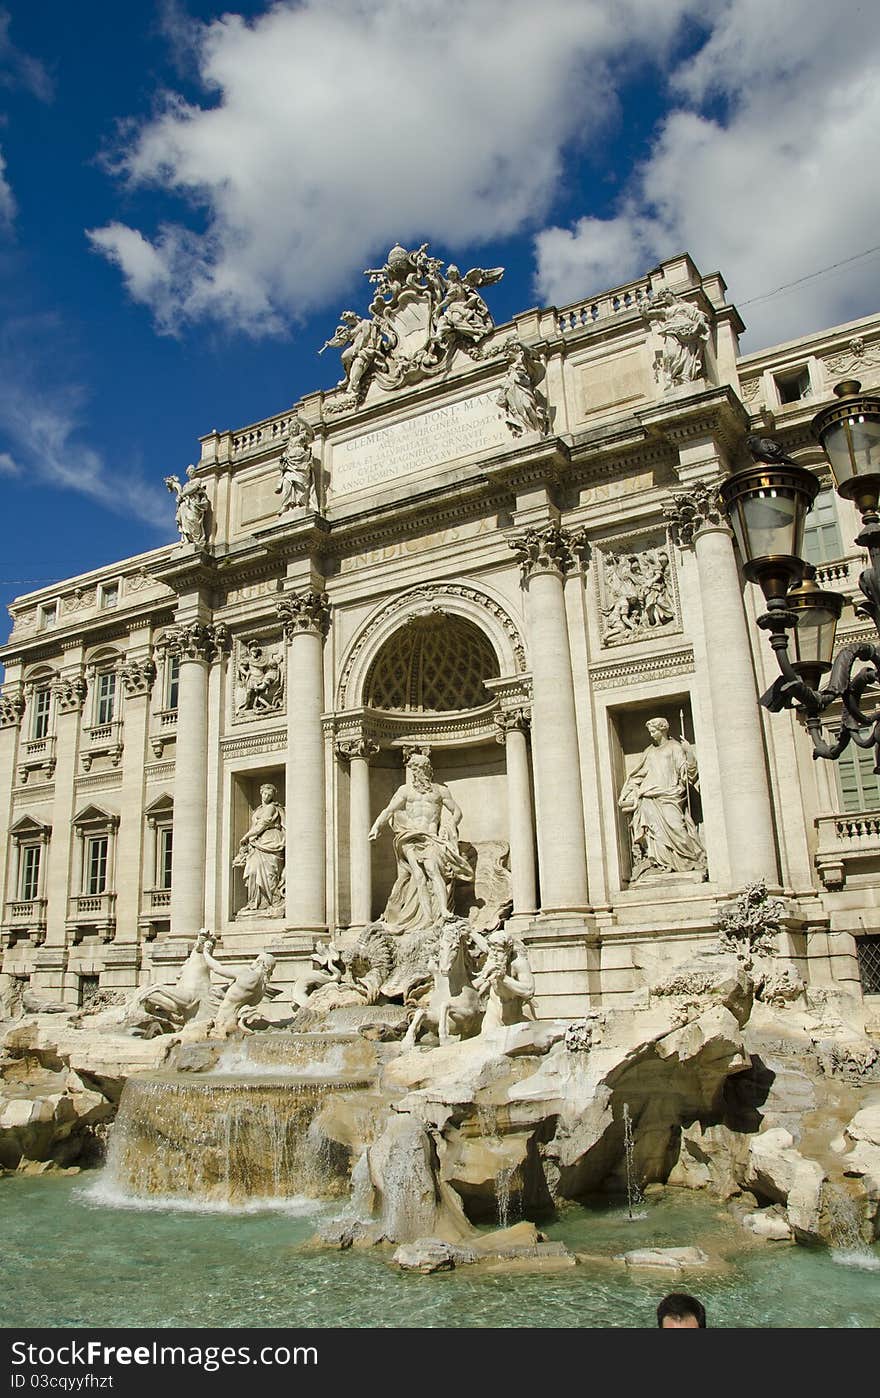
(429, 439)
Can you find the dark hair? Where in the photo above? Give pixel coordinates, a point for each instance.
(679, 1305)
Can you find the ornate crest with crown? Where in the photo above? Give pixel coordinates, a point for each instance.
(418, 318)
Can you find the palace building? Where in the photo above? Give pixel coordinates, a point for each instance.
(499, 546)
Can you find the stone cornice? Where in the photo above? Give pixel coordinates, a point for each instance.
(100, 629)
(194, 571)
(717, 413)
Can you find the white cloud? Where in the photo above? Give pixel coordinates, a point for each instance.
(7, 198)
(42, 421)
(778, 186)
(18, 69)
(333, 128)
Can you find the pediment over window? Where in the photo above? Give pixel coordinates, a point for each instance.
(27, 827)
(95, 818)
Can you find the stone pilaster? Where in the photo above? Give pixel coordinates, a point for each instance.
(357, 752)
(196, 645)
(305, 618)
(11, 710)
(136, 675)
(512, 727)
(546, 556)
(698, 521)
(69, 691)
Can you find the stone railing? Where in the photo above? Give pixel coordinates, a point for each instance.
(103, 739)
(847, 845)
(583, 314)
(36, 754)
(156, 899)
(26, 910)
(841, 573)
(91, 907)
(166, 719)
(261, 435)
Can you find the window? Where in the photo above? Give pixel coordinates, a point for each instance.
(868, 952)
(106, 697)
(42, 709)
(173, 681)
(109, 594)
(96, 865)
(857, 782)
(822, 540)
(163, 849)
(793, 385)
(48, 614)
(89, 987)
(29, 880)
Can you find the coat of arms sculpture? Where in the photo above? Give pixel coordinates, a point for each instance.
(418, 317)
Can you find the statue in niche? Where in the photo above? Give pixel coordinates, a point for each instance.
(508, 981)
(261, 856)
(657, 797)
(425, 820)
(296, 468)
(639, 593)
(684, 330)
(243, 997)
(260, 679)
(193, 507)
(518, 399)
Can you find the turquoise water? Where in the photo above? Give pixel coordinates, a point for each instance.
(70, 1260)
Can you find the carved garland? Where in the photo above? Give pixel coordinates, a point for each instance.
(433, 591)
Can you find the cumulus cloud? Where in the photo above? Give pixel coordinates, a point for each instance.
(41, 419)
(332, 128)
(762, 169)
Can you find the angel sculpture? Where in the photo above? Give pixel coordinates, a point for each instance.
(462, 310)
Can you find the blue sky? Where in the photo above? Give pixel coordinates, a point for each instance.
(189, 194)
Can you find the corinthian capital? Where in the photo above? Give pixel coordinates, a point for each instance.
(70, 692)
(137, 676)
(549, 550)
(356, 746)
(11, 710)
(195, 640)
(305, 612)
(507, 719)
(691, 511)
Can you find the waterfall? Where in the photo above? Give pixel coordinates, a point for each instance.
(844, 1230)
(633, 1190)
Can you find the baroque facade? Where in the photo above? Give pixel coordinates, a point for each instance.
(496, 546)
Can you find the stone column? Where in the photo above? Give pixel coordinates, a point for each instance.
(357, 752)
(546, 555)
(196, 645)
(512, 725)
(11, 711)
(305, 618)
(698, 520)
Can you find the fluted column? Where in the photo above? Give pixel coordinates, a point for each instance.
(196, 646)
(357, 752)
(305, 618)
(69, 691)
(136, 678)
(698, 520)
(512, 725)
(546, 555)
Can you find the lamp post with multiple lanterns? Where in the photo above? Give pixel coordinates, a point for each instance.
(767, 505)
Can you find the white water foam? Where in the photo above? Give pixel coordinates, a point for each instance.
(854, 1257)
(104, 1195)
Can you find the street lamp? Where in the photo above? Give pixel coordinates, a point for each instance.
(767, 505)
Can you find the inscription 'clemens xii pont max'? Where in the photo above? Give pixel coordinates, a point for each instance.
(429, 439)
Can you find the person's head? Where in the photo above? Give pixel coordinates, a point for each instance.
(658, 729)
(678, 1311)
(267, 793)
(420, 771)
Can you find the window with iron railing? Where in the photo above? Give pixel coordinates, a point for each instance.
(868, 951)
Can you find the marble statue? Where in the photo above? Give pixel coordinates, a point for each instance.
(507, 978)
(638, 593)
(518, 399)
(453, 1008)
(656, 795)
(248, 989)
(157, 1009)
(260, 679)
(683, 330)
(418, 318)
(193, 508)
(261, 855)
(296, 468)
(425, 819)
